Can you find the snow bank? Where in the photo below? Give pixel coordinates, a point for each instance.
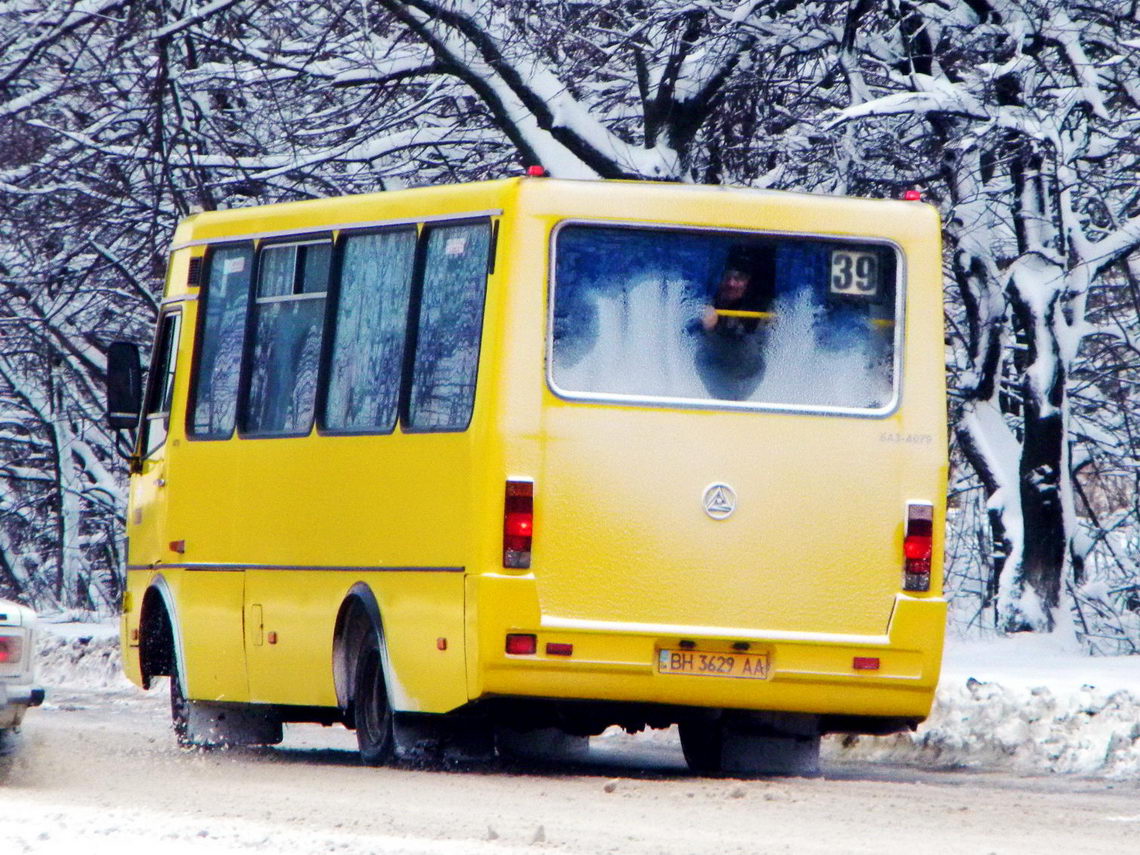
(79, 656)
(1090, 732)
(1030, 703)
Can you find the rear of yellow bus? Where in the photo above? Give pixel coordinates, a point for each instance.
(720, 509)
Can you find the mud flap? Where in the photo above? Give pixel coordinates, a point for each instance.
(216, 725)
(442, 738)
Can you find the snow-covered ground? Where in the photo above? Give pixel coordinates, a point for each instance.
(1032, 704)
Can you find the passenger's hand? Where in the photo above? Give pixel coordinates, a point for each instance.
(709, 318)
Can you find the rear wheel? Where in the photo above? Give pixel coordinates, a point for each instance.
(756, 744)
(371, 709)
(701, 745)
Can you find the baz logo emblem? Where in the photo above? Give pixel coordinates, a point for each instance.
(719, 501)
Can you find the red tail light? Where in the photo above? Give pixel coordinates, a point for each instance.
(518, 524)
(917, 546)
(10, 649)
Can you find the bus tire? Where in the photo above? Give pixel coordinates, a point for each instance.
(371, 710)
(751, 745)
(701, 745)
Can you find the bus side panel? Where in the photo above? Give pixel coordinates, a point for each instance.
(208, 643)
(316, 515)
(289, 623)
(212, 648)
(423, 628)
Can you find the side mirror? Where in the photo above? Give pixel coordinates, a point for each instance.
(124, 386)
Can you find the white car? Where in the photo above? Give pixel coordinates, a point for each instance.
(17, 657)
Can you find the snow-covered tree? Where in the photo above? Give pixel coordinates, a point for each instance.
(1032, 109)
(1017, 117)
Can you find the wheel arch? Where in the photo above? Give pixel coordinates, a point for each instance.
(359, 615)
(160, 641)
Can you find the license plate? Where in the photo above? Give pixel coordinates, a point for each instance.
(752, 666)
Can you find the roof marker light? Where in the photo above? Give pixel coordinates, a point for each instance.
(912, 196)
(536, 171)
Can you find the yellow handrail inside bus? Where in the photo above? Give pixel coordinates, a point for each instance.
(740, 313)
(767, 316)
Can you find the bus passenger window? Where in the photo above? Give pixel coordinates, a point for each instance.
(222, 336)
(670, 315)
(449, 329)
(371, 326)
(160, 389)
(289, 314)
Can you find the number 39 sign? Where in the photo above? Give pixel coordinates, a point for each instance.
(855, 274)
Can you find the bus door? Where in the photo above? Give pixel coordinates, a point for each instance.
(205, 522)
(148, 502)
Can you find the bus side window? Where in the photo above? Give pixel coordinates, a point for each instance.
(449, 328)
(371, 321)
(160, 389)
(289, 312)
(220, 342)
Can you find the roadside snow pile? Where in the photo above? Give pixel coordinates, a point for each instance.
(1089, 732)
(1032, 703)
(79, 656)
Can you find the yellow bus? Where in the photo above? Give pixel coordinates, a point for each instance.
(534, 453)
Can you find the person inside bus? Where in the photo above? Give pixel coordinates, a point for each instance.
(732, 294)
(730, 351)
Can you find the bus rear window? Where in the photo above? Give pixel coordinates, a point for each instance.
(724, 318)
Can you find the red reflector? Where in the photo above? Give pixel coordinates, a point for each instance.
(913, 196)
(521, 644)
(178, 546)
(555, 648)
(865, 663)
(535, 171)
(441, 643)
(518, 524)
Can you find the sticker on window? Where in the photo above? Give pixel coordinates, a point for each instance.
(854, 274)
(233, 265)
(455, 246)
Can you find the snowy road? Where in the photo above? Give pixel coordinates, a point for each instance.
(97, 771)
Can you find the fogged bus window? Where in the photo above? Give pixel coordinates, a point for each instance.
(724, 317)
(221, 337)
(289, 311)
(449, 328)
(371, 324)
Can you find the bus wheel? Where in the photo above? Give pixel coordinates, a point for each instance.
(371, 709)
(752, 744)
(701, 745)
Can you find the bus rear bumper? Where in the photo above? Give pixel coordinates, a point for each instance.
(892, 675)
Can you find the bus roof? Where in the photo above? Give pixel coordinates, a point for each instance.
(615, 200)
